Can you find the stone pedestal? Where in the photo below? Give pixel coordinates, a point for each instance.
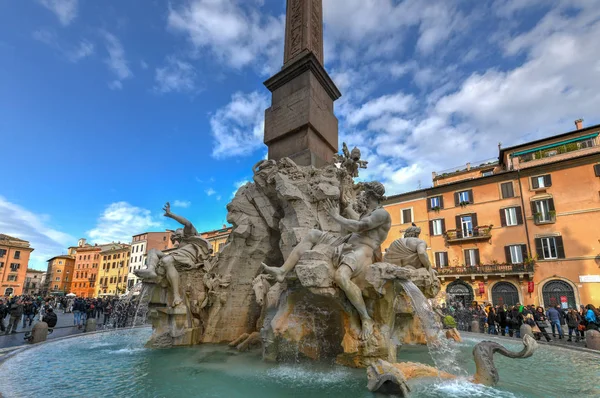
(475, 327)
(90, 325)
(39, 332)
(300, 123)
(172, 327)
(526, 331)
(592, 338)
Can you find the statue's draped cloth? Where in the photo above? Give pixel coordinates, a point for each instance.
(192, 251)
(399, 253)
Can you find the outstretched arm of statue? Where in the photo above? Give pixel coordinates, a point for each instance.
(188, 228)
(368, 223)
(422, 252)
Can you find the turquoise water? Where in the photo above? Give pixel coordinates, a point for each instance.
(117, 365)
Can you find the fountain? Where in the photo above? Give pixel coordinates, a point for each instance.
(302, 279)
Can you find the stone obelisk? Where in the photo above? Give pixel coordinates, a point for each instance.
(300, 123)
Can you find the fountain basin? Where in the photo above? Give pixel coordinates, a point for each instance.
(117, 364)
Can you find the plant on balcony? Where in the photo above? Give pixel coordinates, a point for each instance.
(464, 203)
(436, 209)
(530, 260)
(552, 213)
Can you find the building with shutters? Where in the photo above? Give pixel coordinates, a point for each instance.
(14, 261)
(59, 274)
(114, 261)
(523, 227)
(140, 245)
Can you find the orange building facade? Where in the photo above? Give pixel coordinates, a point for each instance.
(217, 238)
(14, 260)
(59, 275)
(85, 272)
(522, 228)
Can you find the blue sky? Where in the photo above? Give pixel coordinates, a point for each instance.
(108, 109)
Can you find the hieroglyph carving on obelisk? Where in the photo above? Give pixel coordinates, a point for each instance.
(304, 29)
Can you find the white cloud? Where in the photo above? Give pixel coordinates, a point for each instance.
(236, 32)
(182, 203)
(175, 76)
(65, 10)
(238, 128)
(117, 62)
(120, 221)
(388, 104)
(143, 64)
(238, 185)
(83, 50)
(210, 192)
(219, 197)
(21, 223)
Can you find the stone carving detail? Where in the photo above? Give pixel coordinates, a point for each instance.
(295, 28)
(388, 378)
(350, 161)
(316, 28)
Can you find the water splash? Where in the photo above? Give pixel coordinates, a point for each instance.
(442, 351)
(131, 309)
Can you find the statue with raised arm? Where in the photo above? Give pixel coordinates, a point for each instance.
(351, 160)
(353, 251)
(191, 251)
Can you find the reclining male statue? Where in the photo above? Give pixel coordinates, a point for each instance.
(353, 252)
(192, 250)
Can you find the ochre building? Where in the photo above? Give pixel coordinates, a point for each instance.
(87, 258)
(217, 238)
(524, 227)
(112, 274)
(14, 260)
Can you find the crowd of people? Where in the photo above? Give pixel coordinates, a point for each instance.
(507, 320)
(23, 310)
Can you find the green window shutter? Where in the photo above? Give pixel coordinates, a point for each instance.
(547, 180)
(538, 248)
(503, 217)
(551, 204)
(597, 169)
(441, 201)
(524, 252)
(507, 254)
(477, 259)
(430, 228)
(519, 212)
(534, 183)
(443, 226)
(471, 198)
(456, 199)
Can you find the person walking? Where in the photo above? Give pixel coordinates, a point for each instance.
(76, 313)
(28, 313)
(491, 316)
(501, 318)
(16, 312)
(515, 320)
(592, 317)
(107, 311)
(573, 319)
(554, 315)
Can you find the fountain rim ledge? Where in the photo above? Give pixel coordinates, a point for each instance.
(485, 336)
(13, 351)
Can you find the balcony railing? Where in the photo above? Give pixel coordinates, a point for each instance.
(477, 233)
(558, 150)
(544, 218)
(486, 269)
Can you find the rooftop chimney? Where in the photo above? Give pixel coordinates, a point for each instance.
(579, 124)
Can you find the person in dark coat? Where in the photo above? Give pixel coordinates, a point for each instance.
(50, 318)
(16, 312)
(501, 319)
(573, 320)
(542, 322)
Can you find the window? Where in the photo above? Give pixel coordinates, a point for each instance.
(2, 252)
(471, 257)
(57, 279)
(441, 259)
(586, 143)
(543, 210)
(1, 264)
(507, 190)
(515, 254)
(466, 226)
(17, 254)
(60, 262)
(544, 181)
(437, 227)
(58, 271)
(406, 216)
(487, 173)
(15, 266)
(550, 248)
(66, 279)
(463, 197)
(55, 286)
(596, 172)
(12, 278)
(435, 203)
(511, 216)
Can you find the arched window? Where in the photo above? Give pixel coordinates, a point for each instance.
(557, 292)
(505, 293)
(8, 291)
(459, 291)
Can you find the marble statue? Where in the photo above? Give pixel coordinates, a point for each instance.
(350, 161)
(391, 378)
(192, 251)
(353, 251)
